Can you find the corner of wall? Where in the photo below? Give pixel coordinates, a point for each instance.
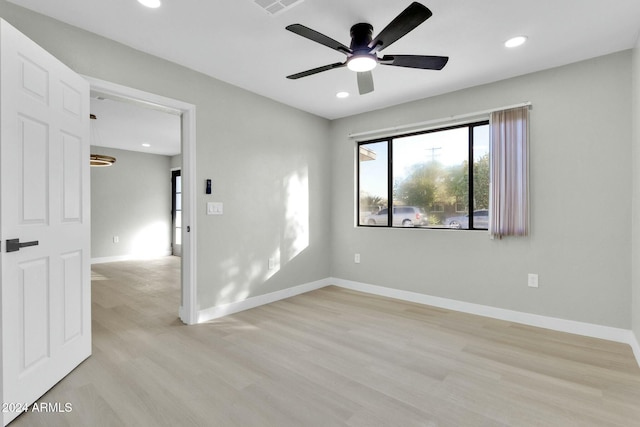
(635, 215)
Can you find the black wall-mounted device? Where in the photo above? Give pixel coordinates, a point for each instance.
(208, 189)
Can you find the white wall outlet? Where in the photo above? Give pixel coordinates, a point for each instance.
(532, 280)
(116, 239)
(356, 259)
(272, 263)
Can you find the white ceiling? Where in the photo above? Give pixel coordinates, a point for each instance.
(126, 125)
(238, 42)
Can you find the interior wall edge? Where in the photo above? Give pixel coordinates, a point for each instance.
(222, 310)
(635, 207)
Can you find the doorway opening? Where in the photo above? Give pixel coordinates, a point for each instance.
(186, 166)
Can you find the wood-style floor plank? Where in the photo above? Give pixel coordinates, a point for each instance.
(331, 357)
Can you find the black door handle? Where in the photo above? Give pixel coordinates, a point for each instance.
(14, 245)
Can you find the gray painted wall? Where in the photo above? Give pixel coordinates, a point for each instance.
(635, 260)
(176, 161)
(287, 182)
(256, 151)
(580, 242)
(131, 200)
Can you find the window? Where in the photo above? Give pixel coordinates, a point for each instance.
(426, 176)
(176, 212)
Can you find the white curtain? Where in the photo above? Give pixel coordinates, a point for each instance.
(509, 194)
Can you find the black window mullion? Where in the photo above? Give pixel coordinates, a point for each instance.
(390, 207)
(358, 197)
(470, 186)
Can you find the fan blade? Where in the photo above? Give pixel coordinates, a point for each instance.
(317, 37)
(408, 19)
(365, 82)
(416, 61)
(317, 70)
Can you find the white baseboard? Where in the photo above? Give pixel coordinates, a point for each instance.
(562, 325)
(181, 314)
(625, 336)
(635, 346)
(235, 307)
(103, 260)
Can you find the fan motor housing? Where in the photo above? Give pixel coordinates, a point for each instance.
(361, 36)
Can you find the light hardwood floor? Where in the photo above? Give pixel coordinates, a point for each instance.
(331, 357)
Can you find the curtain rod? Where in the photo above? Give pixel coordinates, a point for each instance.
(425, 125)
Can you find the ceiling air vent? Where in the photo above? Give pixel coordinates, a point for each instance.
(276, 7)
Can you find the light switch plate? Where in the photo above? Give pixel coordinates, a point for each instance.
(214, 208)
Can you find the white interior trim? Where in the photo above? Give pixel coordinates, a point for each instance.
(429, 124)
(562, 325)
(188, 309)
(187, 112)
(252, 302)
(624, 336)
(103, 260)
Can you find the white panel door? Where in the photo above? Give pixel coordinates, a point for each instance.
(44, 202)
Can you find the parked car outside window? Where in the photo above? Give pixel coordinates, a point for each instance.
(480, 220)
(403, 216)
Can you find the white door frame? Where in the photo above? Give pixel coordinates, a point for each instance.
(187, 112)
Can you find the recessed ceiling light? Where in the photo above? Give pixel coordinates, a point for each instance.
(516, 41)
(146, 145)
(153, 4)
(342, 95)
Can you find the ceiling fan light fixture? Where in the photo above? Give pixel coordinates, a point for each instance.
(361, 63)
(101, 160)
(152, 4)
(516, 41)
(362, 52)
(98, 160)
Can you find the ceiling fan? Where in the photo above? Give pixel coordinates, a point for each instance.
(362, 53)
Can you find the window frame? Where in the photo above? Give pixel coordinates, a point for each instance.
(389, 140)
(176, 230)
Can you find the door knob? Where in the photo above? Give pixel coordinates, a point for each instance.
(14, 245)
